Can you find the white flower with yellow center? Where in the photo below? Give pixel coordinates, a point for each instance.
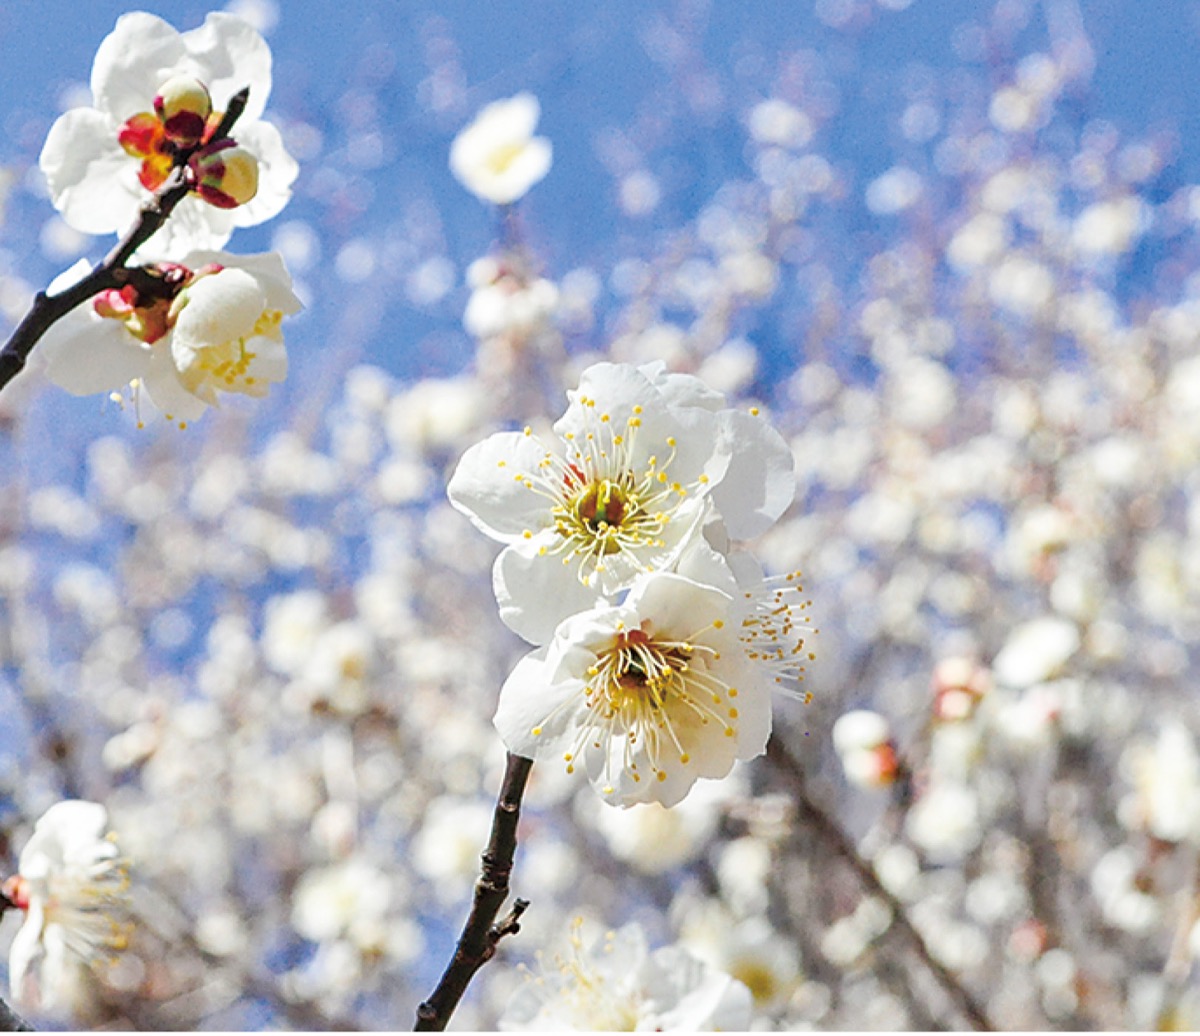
(672, 685)
(642, 462)
(187, 332)
(73, 886)
(158, 97)
(615, 984)
(497, 158)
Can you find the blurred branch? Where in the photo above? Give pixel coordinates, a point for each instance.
(47, 310)
(831, 833)
(477, 944)
(10, 1021)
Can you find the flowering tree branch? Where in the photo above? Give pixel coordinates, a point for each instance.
(477, 944)
(113, 271)
(830, 832)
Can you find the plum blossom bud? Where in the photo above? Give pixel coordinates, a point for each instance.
(863, 740)
(225, 174)
(959, 684)
(183, 106)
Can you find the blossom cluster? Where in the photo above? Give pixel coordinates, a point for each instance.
(271, 649)
(658, 642)
(189, 323)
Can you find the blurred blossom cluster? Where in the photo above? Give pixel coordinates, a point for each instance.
(269, 645)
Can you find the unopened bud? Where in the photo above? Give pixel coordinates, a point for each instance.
(226, 175)
(183, 105)
(16, 891)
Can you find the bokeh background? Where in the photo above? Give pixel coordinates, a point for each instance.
(949, 247)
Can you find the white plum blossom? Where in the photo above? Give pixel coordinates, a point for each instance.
(672, 685)
(945, 822)
(1036, 651)
(644, 460)
(157, 95)
(497, 158)
(1166, 777)
(186, 332)
(344, 900)
(72, 884)
(616, 984)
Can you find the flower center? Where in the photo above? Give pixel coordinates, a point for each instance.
(502, 158)
(642, 692)
(597, 511)
(605, 502)
(637, 671)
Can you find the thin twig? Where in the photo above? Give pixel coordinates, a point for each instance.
(10, 1021)
(112, 272)
(477, 944)
(833, 835)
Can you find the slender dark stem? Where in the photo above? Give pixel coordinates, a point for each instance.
(10, 1021)
(112, 272)
(832, 834)
(477, 944)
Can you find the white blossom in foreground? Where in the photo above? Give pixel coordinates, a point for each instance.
(616, 985)
(497, 158)
(643, 460)
(72, 884)
(672, 685)
(158, 96)
(190, 332)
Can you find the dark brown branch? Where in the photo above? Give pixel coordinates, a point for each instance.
(832, 834)
(477, 944)
(112, 272)
(233, 112)
(10, 1021)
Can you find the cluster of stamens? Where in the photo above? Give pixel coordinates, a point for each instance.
(601, 503)
(643, 687)
(774, 627)
(89, 904)
(584, 989)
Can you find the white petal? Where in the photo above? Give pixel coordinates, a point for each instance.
(270, 363)
(92, 181)
(229, 54)
(85, 354)
(68, 829)
(220, 307)
(536, 592)
(194, 224)
(24, 956)
(759, 484)
(168, 393)
(488, 487)
(266, 268)
(617, 389)
(677, 607)
(133, 61)
(681, 389)
(529, 167)
(529, 701)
